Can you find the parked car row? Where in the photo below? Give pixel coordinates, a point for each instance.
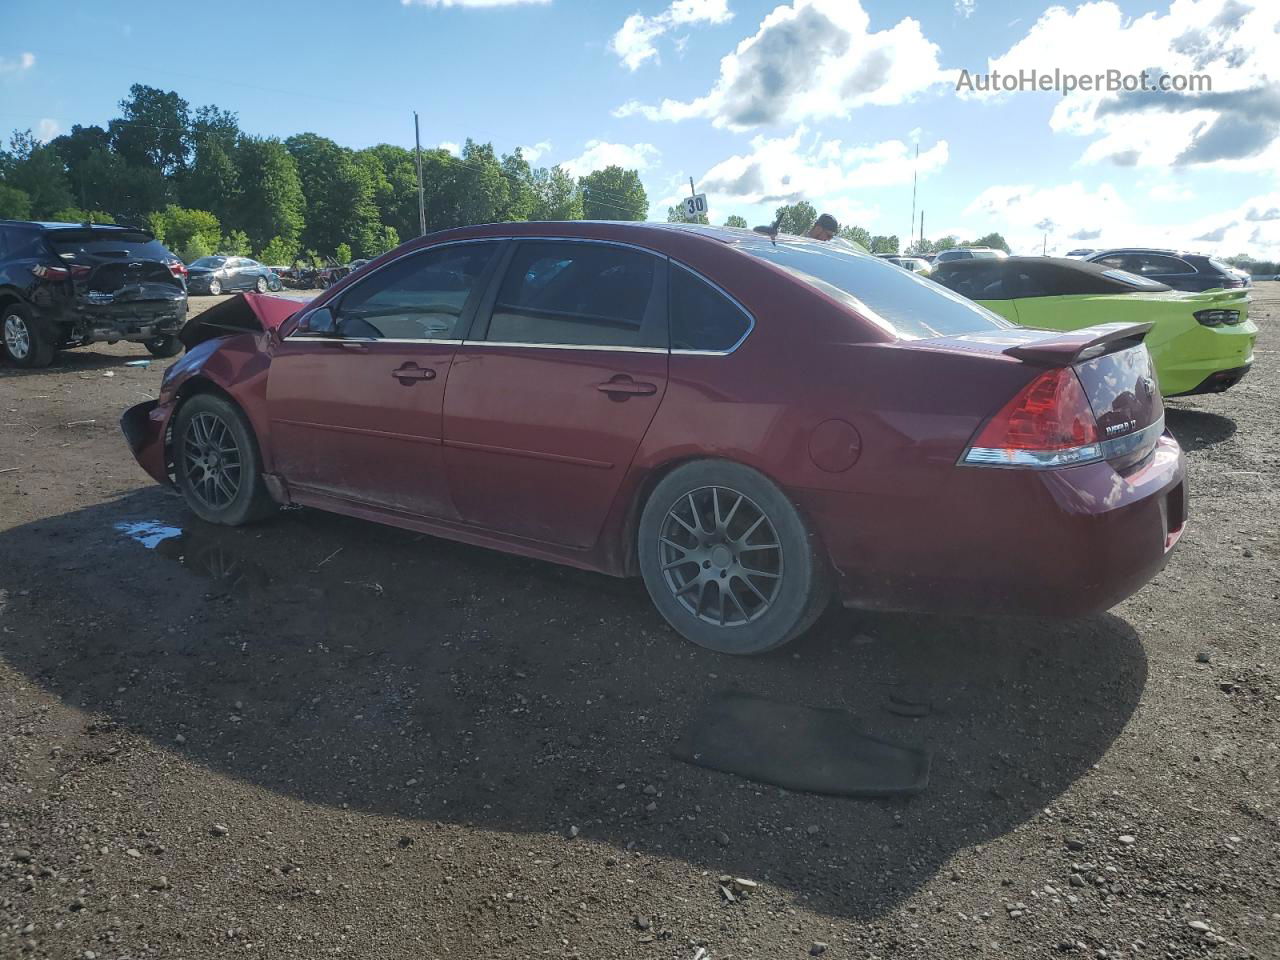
(223, 274)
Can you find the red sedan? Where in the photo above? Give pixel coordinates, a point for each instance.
(749, 425)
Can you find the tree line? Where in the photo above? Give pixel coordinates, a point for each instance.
(203, 185)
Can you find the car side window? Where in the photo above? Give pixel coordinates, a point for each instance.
(701, 317)
(1157, 264)
(574, 294)
(420, 297)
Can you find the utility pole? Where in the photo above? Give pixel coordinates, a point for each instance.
(921, 229)
(1044, 250)
(914, 165)
(422, 210)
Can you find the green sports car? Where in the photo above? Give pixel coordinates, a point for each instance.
(1201, 342)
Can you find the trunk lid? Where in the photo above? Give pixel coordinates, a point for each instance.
(118, 265)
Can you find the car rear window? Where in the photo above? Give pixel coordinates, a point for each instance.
(70, 244)
(904, 303)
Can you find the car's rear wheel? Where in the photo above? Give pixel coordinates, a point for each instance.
(164, 347)
(215, 287)
(261, 285)
(728, 560)
(217, 463)
(27, 343)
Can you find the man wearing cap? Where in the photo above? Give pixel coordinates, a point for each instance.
(824, 228)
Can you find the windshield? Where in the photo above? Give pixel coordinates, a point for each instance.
(209, 262)
(904, 303)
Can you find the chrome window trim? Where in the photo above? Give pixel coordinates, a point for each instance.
(751, 317)
(417, 250)
(564, 346)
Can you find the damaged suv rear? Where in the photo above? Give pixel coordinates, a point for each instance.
(67, 285)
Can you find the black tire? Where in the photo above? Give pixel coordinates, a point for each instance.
(215, 287)
(261, 285)
(164, 347)
(210, 501)
(770, 602)
(27, 340)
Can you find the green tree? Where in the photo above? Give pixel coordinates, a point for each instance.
(154, 131)
(271, 205)
(676, 215)
(76, 215)
(949, 242)
(14, 203)
(613, 194)
(522, 198)
(36, 170)
(736, 221)
(557, 195)
(213, 182)
(858, 235)
(339, 195)
(277, 252)
(343, 253)
(189, 233)
(235, 244)
(884, 244)
(398, 201)
(387, 239)
(795, 218)
(992, 240)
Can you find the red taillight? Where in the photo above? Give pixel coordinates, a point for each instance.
(178, 268)
(1048, 424)
(60, 273)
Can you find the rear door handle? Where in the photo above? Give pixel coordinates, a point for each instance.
(622, 386)
(409, 373)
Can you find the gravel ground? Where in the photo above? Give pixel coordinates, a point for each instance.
(317, 737)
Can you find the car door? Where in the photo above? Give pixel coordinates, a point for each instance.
(355, 395)
(550, 397)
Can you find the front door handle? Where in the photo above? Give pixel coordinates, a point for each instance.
(410, 373)
(622, 386)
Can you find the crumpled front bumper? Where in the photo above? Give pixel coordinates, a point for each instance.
(144, 427)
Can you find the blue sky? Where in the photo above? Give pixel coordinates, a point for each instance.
(760, 102)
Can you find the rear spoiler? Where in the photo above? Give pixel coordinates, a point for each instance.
(244, 313)
(1086, 343)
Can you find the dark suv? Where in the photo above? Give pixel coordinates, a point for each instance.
(1182, 271)
(70, 284)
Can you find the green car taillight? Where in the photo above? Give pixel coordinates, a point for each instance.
(1218, 318)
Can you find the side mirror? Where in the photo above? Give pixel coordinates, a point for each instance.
(321, 323)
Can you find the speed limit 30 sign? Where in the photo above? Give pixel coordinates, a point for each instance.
(695, 206)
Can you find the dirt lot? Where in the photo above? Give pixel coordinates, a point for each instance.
(318, 737)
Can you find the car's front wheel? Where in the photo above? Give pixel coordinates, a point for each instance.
(261, 285)
(26, 341)
(728, 560)
(217, 463)
(164, 347)
(215, 287)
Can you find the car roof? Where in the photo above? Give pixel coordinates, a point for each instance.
(1161, 250)
(65, 225)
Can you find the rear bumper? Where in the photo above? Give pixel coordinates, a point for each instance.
(1064, 542)
(1219, 381)
(144, 428)
(133, 321)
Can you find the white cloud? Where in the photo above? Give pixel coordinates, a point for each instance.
(1236, 125)
(810, 59)
(1075, 215)
(804, 166)
(634, 41)
(19, 64)
(451, 147)
(469, 3)
(539, 149)
(599, 154)
(965, 7)
(47, 129)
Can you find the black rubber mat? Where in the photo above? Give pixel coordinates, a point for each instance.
(810, 749)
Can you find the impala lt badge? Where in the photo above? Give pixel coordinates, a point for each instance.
(1125, 427)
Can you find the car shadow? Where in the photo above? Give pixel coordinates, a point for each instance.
(344, 663)
(1197, 429)
(79, 359)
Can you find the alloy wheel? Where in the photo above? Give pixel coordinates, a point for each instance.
(261, 285)
(17, 337)
(721, 556)
(212, 460)
(215, 287)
